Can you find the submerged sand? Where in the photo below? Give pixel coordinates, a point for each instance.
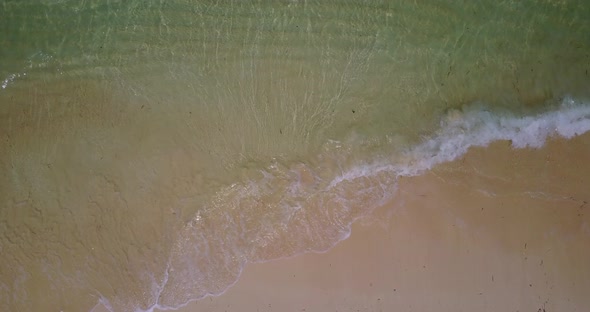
(149, 150)
(497, 230)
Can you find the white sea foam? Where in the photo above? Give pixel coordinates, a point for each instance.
(477, 127)
(10, 78)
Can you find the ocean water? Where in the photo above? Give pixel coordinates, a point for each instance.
(151, 149)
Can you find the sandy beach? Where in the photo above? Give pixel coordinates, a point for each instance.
(511, 235)
(214, 156)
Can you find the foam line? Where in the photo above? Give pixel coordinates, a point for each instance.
(477, 127)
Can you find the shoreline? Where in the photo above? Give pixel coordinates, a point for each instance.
(432, 249)
(553, 175)
(155, 153)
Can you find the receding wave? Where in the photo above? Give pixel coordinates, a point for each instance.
(293, 209)
(150, 150)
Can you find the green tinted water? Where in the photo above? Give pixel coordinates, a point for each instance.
(151, 148)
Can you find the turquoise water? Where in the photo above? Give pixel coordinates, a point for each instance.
(151, 149)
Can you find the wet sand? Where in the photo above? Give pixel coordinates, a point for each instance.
(152, 149)
(498, 230)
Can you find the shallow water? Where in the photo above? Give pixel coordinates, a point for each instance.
(151, 149)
